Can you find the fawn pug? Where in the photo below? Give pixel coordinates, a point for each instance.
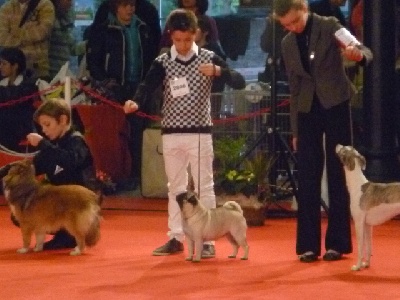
(201, 224)
(370, 203)
(44, 208)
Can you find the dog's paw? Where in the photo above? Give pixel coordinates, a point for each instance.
(365, 264)
(244, 258)
(232, 256)
(75, 252)
(189, 258)
(23, 250)
(195, 260)
(356, 268)
(38, 248)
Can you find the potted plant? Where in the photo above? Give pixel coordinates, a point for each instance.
(245, 183)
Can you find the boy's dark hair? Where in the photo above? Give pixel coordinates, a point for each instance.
(182, 20)
(54, 108)
(115, 3)
(282, 7)
(14, 56)
(202, 6)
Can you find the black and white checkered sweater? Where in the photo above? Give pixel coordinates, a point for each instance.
(190, 113)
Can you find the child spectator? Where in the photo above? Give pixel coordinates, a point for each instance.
(15, 119)
(186, 72)
(199, 8)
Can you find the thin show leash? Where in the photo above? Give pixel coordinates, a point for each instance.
(198, 151)
(351, 126)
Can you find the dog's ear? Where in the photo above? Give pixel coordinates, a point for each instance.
(338, 148)
(352, 163)
(349, 162)
(192, 199)
(364, 187)
(180, 198)
(362, 162)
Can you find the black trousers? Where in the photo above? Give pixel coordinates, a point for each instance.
(335, 124)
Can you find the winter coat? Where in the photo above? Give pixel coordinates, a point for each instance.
(107, 46)
(32, 37)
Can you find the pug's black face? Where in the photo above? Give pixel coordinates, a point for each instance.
(188, 198)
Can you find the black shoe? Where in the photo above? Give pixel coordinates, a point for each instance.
(308, 257)
(61, 240)
(332, 256)
(171, 247)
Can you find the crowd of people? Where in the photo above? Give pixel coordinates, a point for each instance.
(130, 57)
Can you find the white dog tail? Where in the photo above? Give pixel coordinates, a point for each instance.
(232, 205)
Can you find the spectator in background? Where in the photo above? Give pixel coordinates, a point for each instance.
(329, 8)
(218, 84)
(145, 11)
(199, 8)
(27, 24)
(62, 42)
(15, 119)
(118, 59)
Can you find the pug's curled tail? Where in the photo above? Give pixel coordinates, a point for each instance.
(232, 205)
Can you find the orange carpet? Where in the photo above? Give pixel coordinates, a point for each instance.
(121, 265)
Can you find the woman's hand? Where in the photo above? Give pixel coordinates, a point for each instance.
(351, 52)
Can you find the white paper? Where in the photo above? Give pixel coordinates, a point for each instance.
(345, 37)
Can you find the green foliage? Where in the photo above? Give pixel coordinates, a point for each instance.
(250, 177)
(260, 165)
(227, 151)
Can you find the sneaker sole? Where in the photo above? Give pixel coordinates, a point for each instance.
(208, 256)
(165, 254)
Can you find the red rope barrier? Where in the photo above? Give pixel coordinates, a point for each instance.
(102, 99)
(26, 98)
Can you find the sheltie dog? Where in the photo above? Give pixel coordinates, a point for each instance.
(45, 208)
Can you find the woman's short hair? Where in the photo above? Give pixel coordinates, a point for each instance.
(202, 6)
(14, 56)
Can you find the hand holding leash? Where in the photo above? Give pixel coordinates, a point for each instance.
(34, 138)
(130, 106)
(210, 70)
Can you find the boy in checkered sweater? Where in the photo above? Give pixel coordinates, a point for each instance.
(186, 73)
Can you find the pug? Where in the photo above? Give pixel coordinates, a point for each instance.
(201, 224)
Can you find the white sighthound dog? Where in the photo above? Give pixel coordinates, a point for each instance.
(370, 203)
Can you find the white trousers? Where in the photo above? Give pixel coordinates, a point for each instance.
(180, 151)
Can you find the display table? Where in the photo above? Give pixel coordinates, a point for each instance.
(107, 134)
